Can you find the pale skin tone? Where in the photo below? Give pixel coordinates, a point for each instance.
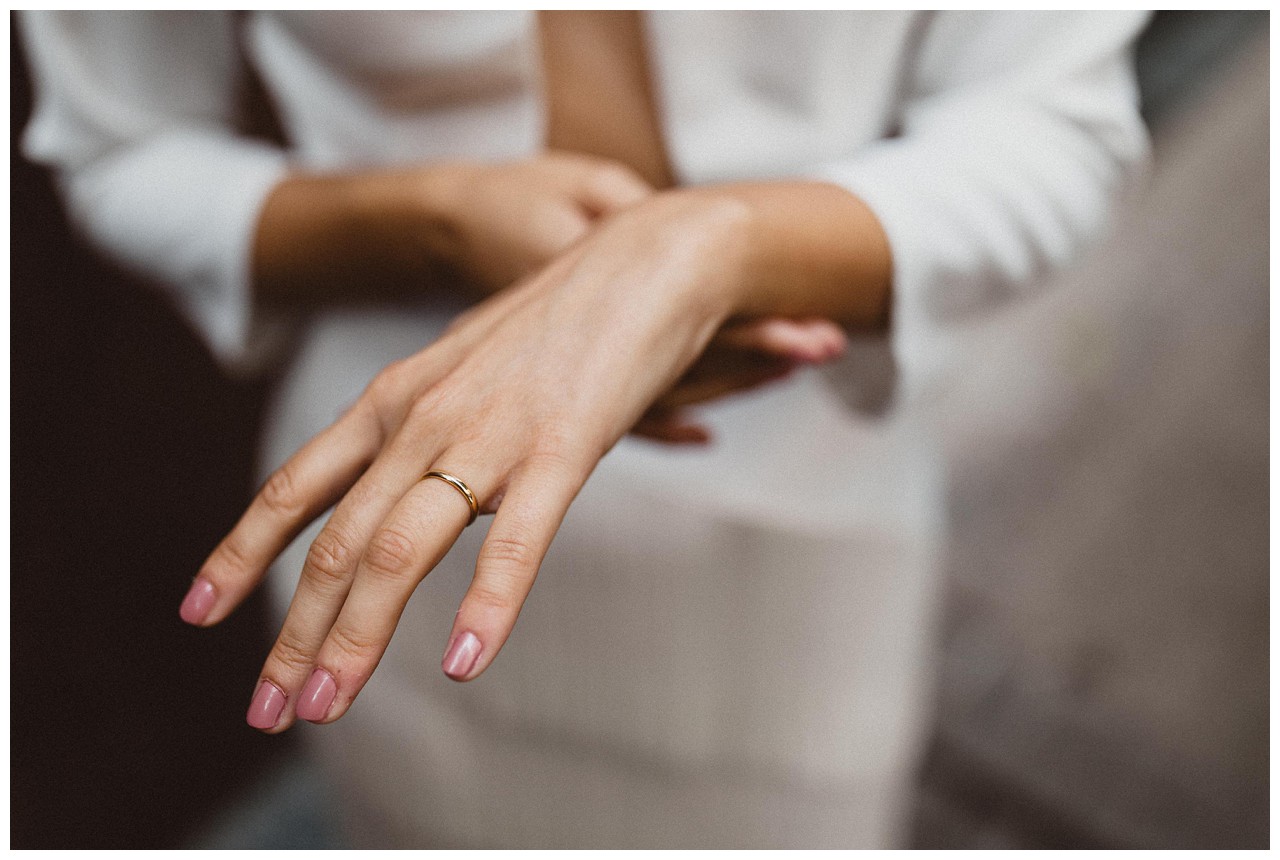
(390, 235)
(648, 300)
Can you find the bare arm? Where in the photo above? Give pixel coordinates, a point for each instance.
(623, 315)
(810, 249)
(375, 235)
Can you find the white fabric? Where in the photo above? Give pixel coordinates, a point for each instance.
(726, 647)
(135, 111)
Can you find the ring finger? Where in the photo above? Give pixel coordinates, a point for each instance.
(325, 581)
(411, 541)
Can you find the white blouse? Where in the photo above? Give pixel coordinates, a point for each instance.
(989, 144)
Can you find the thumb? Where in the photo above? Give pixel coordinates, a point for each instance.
(610, 188)
(810, 341)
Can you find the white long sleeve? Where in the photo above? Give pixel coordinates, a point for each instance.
(1015, 132)
(135, 113)
(1018, 132)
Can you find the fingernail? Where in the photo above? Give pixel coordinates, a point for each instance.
(199, 600)
(462, 656)
(317, 696)
(264, 710)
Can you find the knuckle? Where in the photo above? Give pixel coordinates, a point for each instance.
(558, 228)
(279, 494)
(505, 554)
(353, 645)
(617, 177)
(551, 456)
(428, 405)
(491, 596)
(329, 559)
(365, 494)
(366, 411)
(390, 555)
(507, 565)
(291, 653)
(230, 558)
(389, 383)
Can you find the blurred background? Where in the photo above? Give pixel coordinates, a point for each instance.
(1103, 675)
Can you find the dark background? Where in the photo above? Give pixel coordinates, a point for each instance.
(132, 454)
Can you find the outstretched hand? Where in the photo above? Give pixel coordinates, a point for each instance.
(519, 400)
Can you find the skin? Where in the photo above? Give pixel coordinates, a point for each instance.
(399, 235)
(373, 235)
(627, 311)
(650, 298)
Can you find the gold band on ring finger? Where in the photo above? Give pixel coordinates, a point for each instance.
(461, 487)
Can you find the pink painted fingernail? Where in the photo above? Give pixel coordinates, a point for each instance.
(462, 656)
(264, 710)
(317, 696)
(199, 600)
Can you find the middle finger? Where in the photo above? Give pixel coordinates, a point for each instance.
(411, 541)
(326, 578)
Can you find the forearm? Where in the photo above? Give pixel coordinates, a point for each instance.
(324, 238)
(808, 249)
(477, 226)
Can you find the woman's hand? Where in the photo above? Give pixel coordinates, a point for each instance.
(506, 221)
(393, 234)
(741, 357)
(520, 399)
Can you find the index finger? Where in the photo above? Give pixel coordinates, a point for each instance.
(310, 482)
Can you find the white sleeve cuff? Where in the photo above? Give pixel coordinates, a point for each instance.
(183, 208)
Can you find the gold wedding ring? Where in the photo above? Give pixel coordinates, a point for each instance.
(461, 487)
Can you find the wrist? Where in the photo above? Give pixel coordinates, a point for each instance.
(708, 231)
(798, 249)
(413, 214)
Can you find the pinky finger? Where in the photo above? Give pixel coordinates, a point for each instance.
(671, 428)
(528, 518)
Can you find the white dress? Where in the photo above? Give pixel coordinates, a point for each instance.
(725, 647)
